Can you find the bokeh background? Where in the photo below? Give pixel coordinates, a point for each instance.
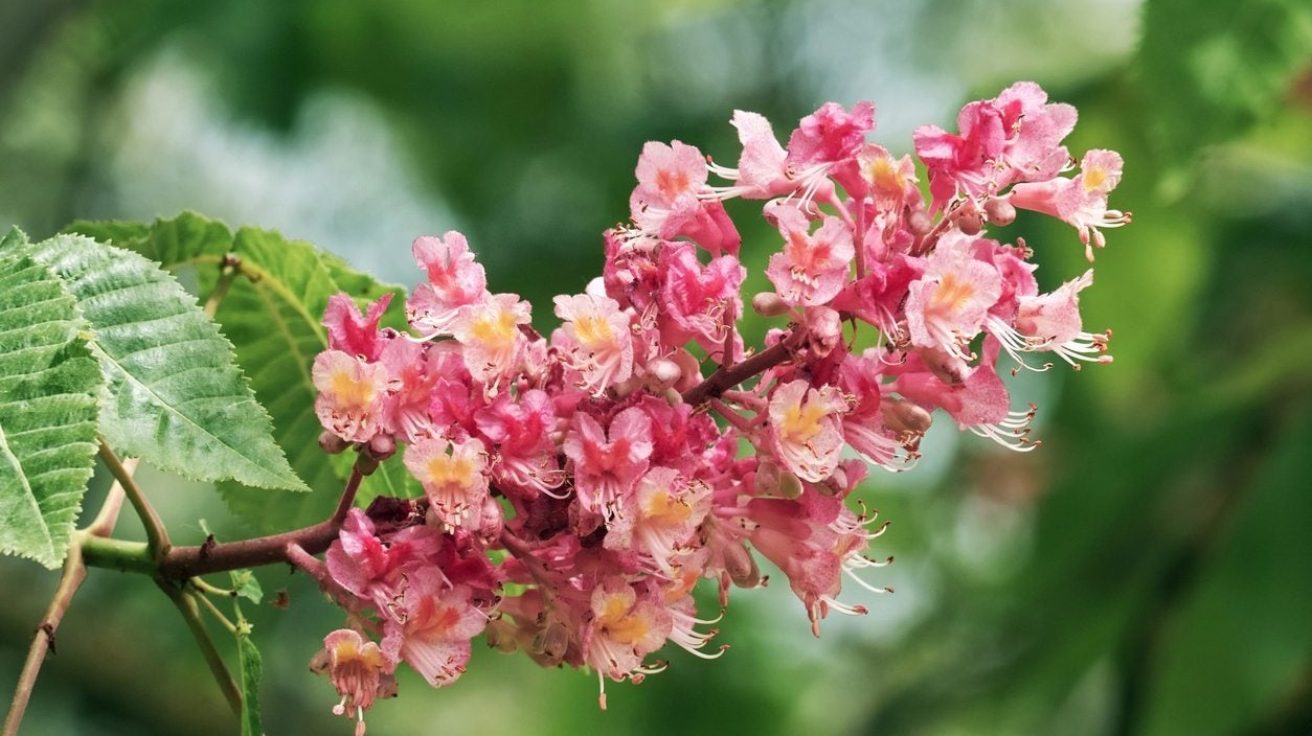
(1148, 571)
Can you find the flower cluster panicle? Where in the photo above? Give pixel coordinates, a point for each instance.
(577, 485)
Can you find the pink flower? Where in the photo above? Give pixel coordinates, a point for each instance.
(807, 428)
(596, 340)
(453, 474)
(432, 629)
(864, 428)
(625, 628)
(946, 307)
(352, 332)
(1052, 322)
(873, 172)
(607, 465)
(694, 297)
(668, 200)
(359, 671)
(351, 394)
(762, 172)
(1014, 137)
(661, 517)
(369, 567)
(880, 295)
(489, 333)
(829, 135)
(520, 431)
(412, 369)
(454, 280)
(1080, 202)
(812, 268)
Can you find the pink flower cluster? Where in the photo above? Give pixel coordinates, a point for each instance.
(578, 485)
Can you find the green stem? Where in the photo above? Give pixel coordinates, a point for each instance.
(156, 535)
(186, 605)
(214, 610)
(118, 554)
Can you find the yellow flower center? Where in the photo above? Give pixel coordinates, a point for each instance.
(444, 471)
(623, 624)
(661, 508)
(885, 176)
(495, 328)
(1094, 178)
(952, 294)
(802, 422)
(593, 331)
(349, 391)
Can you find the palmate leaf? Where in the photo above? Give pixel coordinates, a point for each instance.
(274, 320)
(49, 390)
(177, 399)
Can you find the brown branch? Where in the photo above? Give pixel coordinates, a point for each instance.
(75, 571)
(181, 563)
(726, 378)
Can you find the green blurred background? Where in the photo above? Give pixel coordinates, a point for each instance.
(1148, 571)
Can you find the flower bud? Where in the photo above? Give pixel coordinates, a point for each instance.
(331, 443)
(690, 371)
(824, 330)
(382, 446)
(768, 304)
(968, 220)
(741, 566)
(902, 416)
(500, 635)
(946, 367)
(551, 644)
(1000, 211)
(664, 372)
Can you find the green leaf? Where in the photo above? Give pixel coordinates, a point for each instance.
(177, 399)
(273, 318)
(247, 585)
(1212, 72)
(49, 390)
(252, 670)
(1258, 587)
(186, 240)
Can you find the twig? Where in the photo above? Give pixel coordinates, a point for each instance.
(186, 605)
(184, 563)
(229, 267)
(75, 572)
(157, 537)
(726, 378)
(107, 518)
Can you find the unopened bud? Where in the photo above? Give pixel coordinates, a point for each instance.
(382, 446)
(331, 443)
(1000, 211)
(366, 463)
(790, 486)
(769, 304)
(551, 644)
(968, 220)
(947, 367)
(902, 416)
(500, 635)
(824, 330)
(690, 370)
(741, 566)
(664, 372)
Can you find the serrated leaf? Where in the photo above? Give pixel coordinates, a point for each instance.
(247, 585)
(274, 320)
(252, 670)
(177, 398)
(49, 387)
(186, 240)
